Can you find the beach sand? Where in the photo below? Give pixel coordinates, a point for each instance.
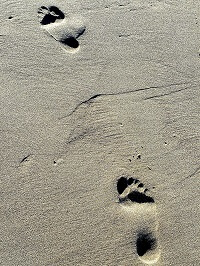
(99, 133)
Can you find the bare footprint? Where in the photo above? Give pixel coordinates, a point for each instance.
(65, 30)
(134, 196)
(131, 189)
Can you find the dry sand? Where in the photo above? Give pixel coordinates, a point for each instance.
(99, 133)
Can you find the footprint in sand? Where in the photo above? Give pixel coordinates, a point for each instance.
(133, 194)
(65, 30)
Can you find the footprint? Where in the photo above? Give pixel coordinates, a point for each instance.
(131, 190)
(49, 15)
(65, 30)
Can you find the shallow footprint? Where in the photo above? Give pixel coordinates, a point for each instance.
(131, 190)
(62, 29)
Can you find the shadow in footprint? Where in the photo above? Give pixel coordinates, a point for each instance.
(51, 14)
(131, 189)
(122, 185)
(71, 42)
(136, 196)
(145, 243)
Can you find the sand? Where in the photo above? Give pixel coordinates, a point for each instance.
(99, 133)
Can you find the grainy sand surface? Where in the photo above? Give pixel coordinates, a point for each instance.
(99, 126)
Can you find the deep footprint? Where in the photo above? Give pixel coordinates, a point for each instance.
(131, 189)
(62, 29)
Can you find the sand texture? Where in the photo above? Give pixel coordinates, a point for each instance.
(99, 127)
